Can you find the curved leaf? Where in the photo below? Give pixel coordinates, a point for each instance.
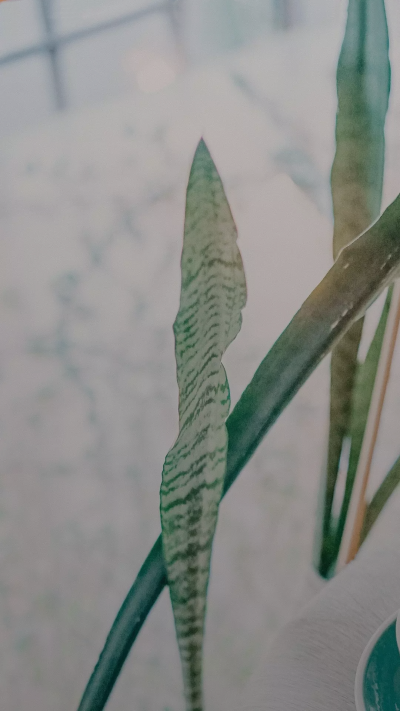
(209, 318)
(361, 272)
(363, 86)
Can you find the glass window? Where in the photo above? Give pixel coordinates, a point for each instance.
(26, 94)
(20, 25)
(72, 15)
(318, 11)
(214, 26)
(138, 54)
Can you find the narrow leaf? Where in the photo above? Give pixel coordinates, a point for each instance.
(213, 294)
(363, 85)
(361, 272)
(381, 497)
(366, 374)
(343, 371)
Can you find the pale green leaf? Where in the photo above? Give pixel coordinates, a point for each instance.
(213, 294)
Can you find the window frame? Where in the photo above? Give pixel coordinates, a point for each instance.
(54, 41)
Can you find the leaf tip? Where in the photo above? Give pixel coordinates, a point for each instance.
(202, 148)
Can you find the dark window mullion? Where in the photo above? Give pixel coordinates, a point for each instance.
(285, 13)
(53, 52)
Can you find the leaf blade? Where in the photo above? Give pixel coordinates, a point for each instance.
(380, 498)
(363, 87)
(365, 380)
(212, 297)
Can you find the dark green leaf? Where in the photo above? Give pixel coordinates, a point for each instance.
(363, 85)
(365, 379)
(380, 499)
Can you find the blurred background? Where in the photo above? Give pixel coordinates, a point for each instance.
(102, 103)
(63, 54)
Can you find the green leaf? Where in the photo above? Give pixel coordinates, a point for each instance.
(361, 272)
(363, 85)
(380, 499)
(213, 294)
(343, 372)
(365, 379)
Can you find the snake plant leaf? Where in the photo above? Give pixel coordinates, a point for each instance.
(380, 498)
(361, 400)
(213, 294)
(365, 380)
(363, 87)
(343, 372)
(363, 269)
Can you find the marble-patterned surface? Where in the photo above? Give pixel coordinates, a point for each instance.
(91, 216)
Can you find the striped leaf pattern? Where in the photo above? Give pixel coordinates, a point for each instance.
(213, 294)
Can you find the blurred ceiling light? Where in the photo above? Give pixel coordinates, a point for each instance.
(151, 70)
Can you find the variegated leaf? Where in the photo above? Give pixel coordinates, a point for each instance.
(213, 294)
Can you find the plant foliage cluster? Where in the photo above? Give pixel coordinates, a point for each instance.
(212, 446)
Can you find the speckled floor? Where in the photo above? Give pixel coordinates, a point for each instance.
(91, 215)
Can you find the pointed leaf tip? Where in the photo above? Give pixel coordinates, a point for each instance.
(213, 293)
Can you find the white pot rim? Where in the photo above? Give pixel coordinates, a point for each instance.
(359, 682)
